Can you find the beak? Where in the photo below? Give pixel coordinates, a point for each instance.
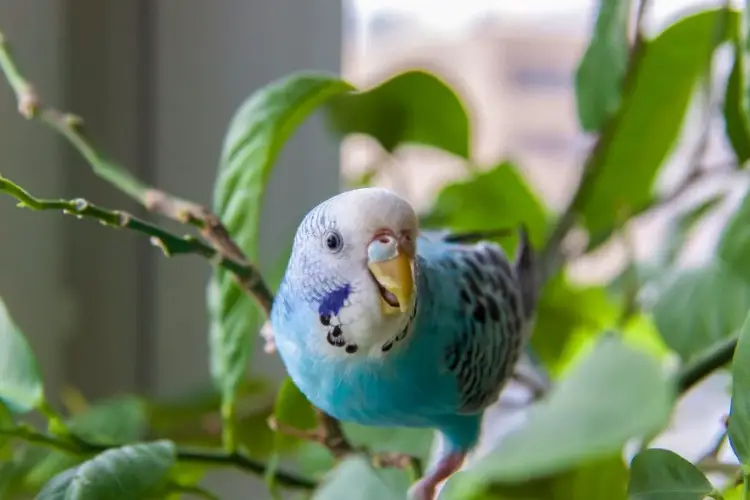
(393, 269)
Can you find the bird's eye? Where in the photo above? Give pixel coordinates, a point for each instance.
(333, 241)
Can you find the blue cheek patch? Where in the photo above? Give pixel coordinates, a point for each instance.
(334, 301)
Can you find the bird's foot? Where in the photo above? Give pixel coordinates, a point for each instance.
(267, 333)
(426, 488)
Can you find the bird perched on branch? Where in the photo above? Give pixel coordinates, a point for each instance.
(380, 325)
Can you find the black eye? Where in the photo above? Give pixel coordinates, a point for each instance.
(333, 241)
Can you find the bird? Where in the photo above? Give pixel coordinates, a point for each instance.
(382, 324)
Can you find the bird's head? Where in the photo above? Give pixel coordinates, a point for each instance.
(354, 262)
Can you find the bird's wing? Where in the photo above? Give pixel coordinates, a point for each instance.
(493, 296)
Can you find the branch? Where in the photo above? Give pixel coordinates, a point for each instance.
(169, 243)
(69, 126)
(81, 447)
(713, 465)
(551, 257)
(715, 449)
(695, 371)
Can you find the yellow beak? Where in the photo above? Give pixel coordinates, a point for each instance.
(396, 275)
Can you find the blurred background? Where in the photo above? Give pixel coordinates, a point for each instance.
(157, 83)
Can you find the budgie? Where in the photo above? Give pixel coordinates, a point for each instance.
(381, 325)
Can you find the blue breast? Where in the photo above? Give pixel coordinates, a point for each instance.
(409, 387)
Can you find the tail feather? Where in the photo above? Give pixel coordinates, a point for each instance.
(528, 274)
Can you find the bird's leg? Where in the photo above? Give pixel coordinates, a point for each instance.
(425, 488)
(267, 333)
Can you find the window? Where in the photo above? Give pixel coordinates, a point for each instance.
(540, 77)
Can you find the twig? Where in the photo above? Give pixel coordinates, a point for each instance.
(333, 436)
(169, 243)
(315, 435)
(693, 372)
(631, 279)
(694, 178)
(714, 465)
(70, 127)
(696, 370)
(551, 256)
(715, 449)
(78, 446)
(400, 461)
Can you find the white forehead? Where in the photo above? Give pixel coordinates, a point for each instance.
(366, 210)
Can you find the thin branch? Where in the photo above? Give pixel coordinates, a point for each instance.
(551, 256)
(694, 178)
(70, 126)
(81, 447)
(713, 452)
(631, 278)
(333, 436)
(25, 94)
(169, 243)
(695, 371)
(713, 465)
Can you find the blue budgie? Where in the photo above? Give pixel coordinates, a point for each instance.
(380, 325)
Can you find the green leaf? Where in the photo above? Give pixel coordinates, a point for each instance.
(733, 493)
(292, 409)
(567, 312)
(589, 415)
(603, 66)
(129, 472)
(652, 116)
(700, 306)
(497, 198)
(254, 434)
(315, 459)
(657, 474)
(412, 441)
(255, 137)
(601, 479)
(684, 222)
(735, 115)
(412, 107)
(734, 244)
(21, 386)
(191, 409)
(6, 422)
(7, 477)
(112, 421)
(737, 96)
(355, 479)
(739, 411)
(187, 473)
